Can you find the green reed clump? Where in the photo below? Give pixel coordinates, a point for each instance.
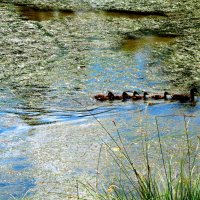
(162, 186)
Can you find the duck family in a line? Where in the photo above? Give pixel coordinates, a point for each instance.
(136, 96)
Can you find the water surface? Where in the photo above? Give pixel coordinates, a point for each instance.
(53, 65)
(140, 43)
(42, 14)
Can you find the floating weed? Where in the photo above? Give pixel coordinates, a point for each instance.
(116, 149)
(111, 188)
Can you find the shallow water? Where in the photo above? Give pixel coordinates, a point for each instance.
(48, 133)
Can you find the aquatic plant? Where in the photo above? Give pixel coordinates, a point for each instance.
(167, 183)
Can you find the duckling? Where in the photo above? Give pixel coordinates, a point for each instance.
(157, 96)
(124, 96)
(102, 97)
(140, 97)
(134, 93)
(185, 97)
(127, 96)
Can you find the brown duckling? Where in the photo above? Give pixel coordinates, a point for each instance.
(158, 96)
(134, 94)
(123, 97)
(102, 97)
(185, 97)
(140, 97)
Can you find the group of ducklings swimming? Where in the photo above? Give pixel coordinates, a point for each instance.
(166, 96)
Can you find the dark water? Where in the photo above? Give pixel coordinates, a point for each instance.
(90, 57)
(133, 15)
(42, 15)
(135, 45)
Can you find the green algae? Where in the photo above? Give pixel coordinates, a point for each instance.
(181, 21)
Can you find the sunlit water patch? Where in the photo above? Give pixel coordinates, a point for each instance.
(127, 68)
(16, 188)
(15, 180)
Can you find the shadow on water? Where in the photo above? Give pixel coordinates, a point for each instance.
(133, 14)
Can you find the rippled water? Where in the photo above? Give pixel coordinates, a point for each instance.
(47, 129)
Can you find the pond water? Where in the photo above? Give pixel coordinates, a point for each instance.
(133, 15)
(48, 133)
(140, 43)
(41, 15)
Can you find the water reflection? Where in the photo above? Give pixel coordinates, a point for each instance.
(14, 178)
(42, 15)
(17, 188)
(139, 43)
(132, 14)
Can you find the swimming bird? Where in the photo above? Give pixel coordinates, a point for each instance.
(134, 93)
(158, 96)
(138, 97)
(125, 96)
(102, 97)
(185, 97)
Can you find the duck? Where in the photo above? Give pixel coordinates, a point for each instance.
(185, 97)
(134, 93)
(103, 97)
(140, 97)
(124, 96)
(158, 96)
